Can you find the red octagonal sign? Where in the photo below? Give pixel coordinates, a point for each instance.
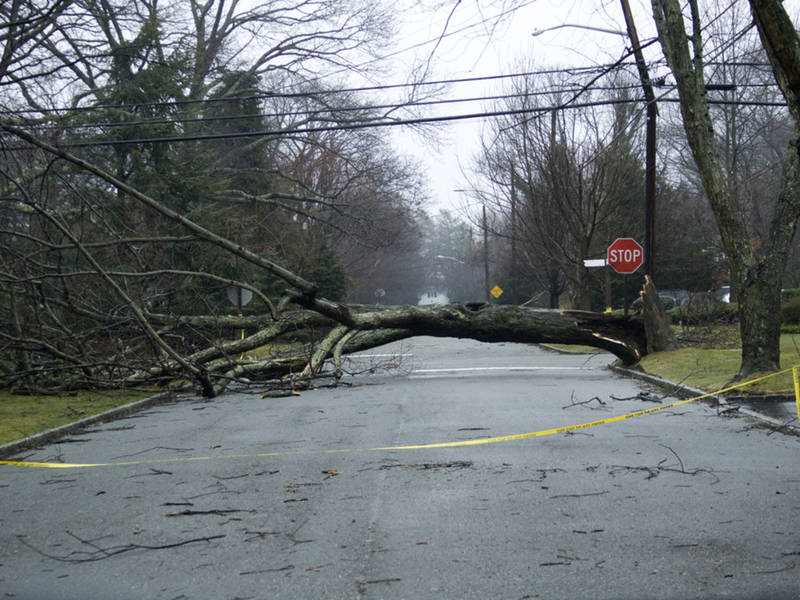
(625, 255)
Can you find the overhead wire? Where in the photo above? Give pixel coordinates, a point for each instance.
(312, 114)
(334, 112)
(385, 123)
(310, 93)
(435, 40)
(306, 82)
(379, 122)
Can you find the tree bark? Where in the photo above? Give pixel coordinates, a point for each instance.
(659, 334)
(622, 336)
(349, 329)
(780, 40)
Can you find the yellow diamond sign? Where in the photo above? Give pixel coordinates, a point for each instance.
(496, 291)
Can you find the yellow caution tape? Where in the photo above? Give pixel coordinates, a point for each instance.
(46, 465)
(796, 390)
(462, 443)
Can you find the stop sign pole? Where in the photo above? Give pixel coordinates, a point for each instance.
(625, 255)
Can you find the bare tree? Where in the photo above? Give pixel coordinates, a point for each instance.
(756, 273)
(574, 172)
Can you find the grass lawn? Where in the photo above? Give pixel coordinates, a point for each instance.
(21, 416)
(710, 358)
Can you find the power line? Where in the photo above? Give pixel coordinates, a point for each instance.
(309, 93)
(328, 111)
(437, 39)
(386, 123)
(332, 111)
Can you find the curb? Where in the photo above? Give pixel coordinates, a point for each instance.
(685, 391)
(51, 435)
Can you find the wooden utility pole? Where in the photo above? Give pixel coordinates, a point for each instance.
(650, 146)
(486, 256)
(514, 277)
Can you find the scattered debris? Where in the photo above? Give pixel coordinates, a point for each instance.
(279, 393)
(98, 553)
(642, 397)
(584, 402)
(587, 494)
(786, 567)
(456, 464)
(276, 570)
(653, 472)
(213, 511)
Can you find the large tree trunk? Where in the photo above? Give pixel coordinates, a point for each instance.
(760, 325)
(759, 285)
(780, 40)
(623, 336)
(354, 329)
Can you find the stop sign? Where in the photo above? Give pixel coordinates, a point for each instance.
(625, 255)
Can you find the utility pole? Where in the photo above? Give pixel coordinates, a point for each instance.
(485, 256)
(514, 291)
(650, 146)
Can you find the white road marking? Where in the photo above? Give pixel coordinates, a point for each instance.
(378, 355)
(472, 369)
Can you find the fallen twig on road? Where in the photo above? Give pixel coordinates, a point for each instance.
(102, 553)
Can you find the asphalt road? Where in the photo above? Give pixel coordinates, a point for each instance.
(244, 497)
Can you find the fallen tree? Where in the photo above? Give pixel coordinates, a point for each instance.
(354, 329)
(340, 330)
(55, 340)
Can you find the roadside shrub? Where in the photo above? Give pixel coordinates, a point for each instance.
(790, 311)
(704, 309)
(726, 312)
(667, 303)
(788, 294)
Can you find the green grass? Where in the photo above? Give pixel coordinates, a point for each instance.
(575, 348)
(21, 416)
(711, 367)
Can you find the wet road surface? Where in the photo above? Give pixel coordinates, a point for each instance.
(244, 497)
